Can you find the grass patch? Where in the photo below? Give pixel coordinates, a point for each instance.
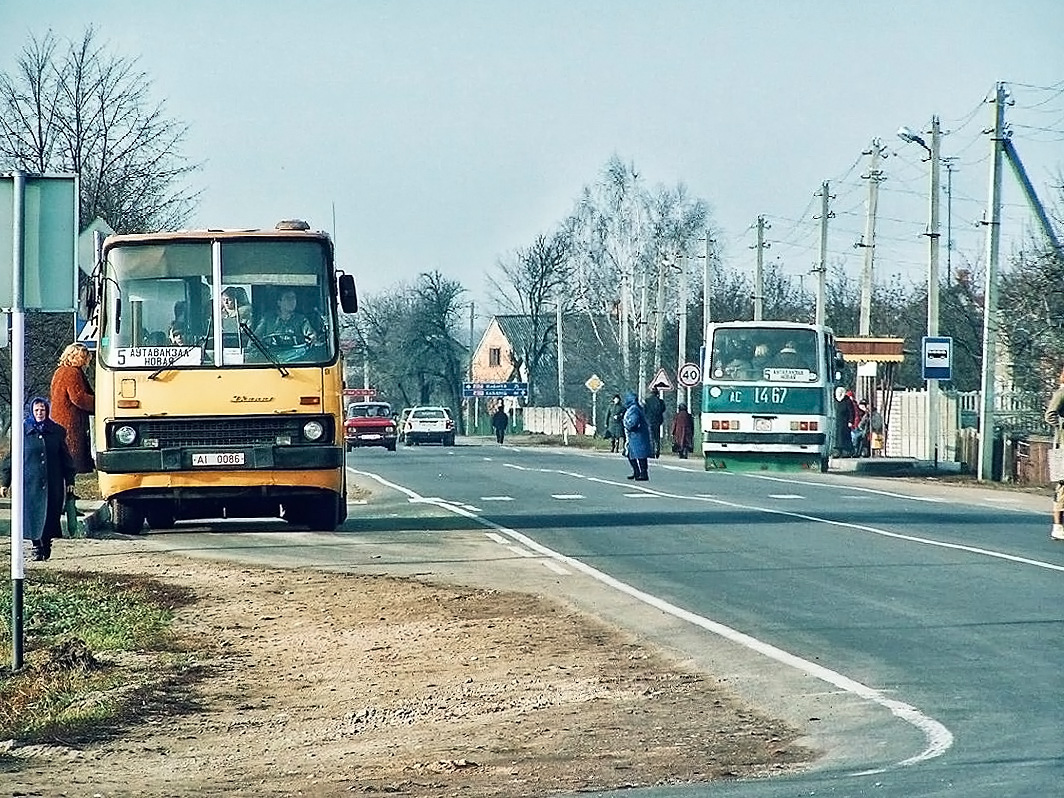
(65, 692)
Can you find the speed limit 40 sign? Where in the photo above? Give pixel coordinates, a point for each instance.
(689, 375)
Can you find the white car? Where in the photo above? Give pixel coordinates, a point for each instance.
(427, 424)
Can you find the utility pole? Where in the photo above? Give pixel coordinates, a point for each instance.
(874, 177)
(706, 287)
(822, 266)
(659, 312)
(681, 335)
(642, 338)
(471, 402)
(949, 164)
(932, 281)
(759, 271)
(561, 354)
(990, 293)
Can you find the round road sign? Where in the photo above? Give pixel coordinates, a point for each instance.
(689, 375)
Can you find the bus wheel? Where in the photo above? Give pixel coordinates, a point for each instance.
(320, 515)
(160, 518)
(126, 518)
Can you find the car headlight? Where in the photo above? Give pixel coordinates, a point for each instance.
(313, 430)
(125, 434)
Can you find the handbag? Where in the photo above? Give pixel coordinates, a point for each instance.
(1056, 461)
(70, 510)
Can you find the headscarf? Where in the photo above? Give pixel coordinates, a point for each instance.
(32, 425)
(630, 399)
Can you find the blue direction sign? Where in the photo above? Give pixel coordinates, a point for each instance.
(937, 358)
(472, 389)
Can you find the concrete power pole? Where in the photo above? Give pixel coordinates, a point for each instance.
(707, 284)
(822, 266)
(933, 282)
(659, 312)
(561, 354)
(681, 333)
(759, 271)
(990, 301)
(874, 177)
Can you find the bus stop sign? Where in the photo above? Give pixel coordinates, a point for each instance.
(937, 358)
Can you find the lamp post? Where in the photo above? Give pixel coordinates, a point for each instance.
(905, 134)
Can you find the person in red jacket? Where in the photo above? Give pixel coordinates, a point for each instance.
(73, 401)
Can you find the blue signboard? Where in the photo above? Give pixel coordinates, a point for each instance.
(474, 389)
(937, 358)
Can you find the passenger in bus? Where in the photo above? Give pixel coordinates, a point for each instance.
(236, 308)
(286, 328)
(762, 356)
(178, 335)
(788, 357)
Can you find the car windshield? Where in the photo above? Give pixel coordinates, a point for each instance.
(429, 413)
(369, 411)
(201, 304)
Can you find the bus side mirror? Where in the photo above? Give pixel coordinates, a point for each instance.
(86, 300)
(348, 296)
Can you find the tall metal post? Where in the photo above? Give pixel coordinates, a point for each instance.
(822, 266)
(933, 408)
(18, 391)
(990, 322)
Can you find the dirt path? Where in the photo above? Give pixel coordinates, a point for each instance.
(310, 683)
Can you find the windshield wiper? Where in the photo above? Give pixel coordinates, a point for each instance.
(169, 363)
(263, 348)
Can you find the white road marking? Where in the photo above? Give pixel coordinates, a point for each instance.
(496, 498)
(639, 495)
(938, 739)
(785, 496)
(568, 496)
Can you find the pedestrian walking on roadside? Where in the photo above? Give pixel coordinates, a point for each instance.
(1055, 417)
(637, 437)
(655, 412)
(73, 401)
(845, 421)
(683, 431)
(615, 424)
(48, 476)
(500, 422)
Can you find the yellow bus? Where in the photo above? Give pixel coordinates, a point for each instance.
(218, 376)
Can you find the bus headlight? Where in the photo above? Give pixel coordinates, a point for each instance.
(125, 434)
(313, 430)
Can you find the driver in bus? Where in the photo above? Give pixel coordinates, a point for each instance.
(286, 328)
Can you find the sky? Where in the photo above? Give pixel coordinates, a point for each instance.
(446, 134)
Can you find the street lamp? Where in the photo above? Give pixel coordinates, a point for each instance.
(907, 135)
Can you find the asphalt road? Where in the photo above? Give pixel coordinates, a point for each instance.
(914, 630)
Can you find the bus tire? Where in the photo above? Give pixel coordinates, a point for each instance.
(319, 515)
(160, 518)
(126, 518)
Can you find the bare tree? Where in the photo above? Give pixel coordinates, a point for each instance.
(536, 280)
(81, 109)
(77, 108)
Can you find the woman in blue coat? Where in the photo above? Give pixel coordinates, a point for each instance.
(47, 477)
(638, 436)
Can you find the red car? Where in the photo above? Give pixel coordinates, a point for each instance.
(370, 424)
